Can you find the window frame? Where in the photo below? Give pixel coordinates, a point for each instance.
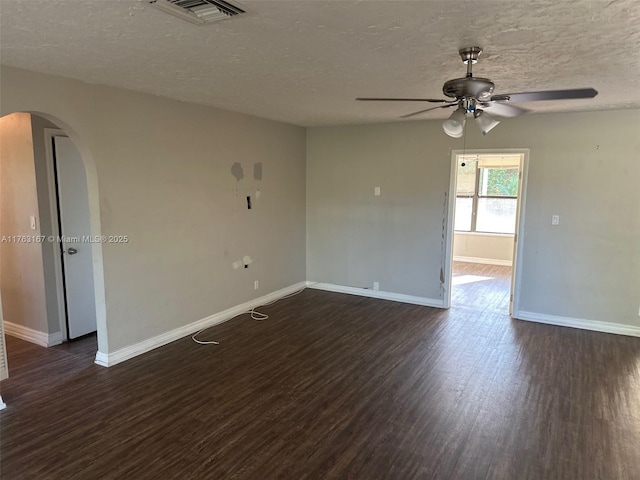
(476, 197)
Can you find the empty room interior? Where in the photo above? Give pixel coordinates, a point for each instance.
(326, 239)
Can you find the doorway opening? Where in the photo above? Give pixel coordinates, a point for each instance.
(51, 273)
(485, 220)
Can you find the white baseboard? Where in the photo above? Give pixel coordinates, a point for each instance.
(2, 404)
(30, 335)
(484, 261)
(595, 325)
(102, 359)
(110, 359)
(365, 292)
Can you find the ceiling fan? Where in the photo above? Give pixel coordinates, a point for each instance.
(474, 95)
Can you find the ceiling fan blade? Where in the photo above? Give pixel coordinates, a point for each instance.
(432, 100)
(502, 109)
(427, 109)
(547, 95)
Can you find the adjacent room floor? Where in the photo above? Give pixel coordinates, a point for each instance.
(481, 286)
(334, 386)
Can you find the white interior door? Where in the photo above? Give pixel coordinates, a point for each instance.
(77, 260)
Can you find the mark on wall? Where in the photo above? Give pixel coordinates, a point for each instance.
(257, 171)
(237, 171)
(245, 262)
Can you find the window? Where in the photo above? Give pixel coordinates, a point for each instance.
(487, 193)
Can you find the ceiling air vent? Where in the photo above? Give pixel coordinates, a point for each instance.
(199, 11)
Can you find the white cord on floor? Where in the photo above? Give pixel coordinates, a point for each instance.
(255, 315)
(202, 342)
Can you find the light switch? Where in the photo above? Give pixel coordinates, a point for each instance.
(555, 220)
(32, 222)
(376, 191)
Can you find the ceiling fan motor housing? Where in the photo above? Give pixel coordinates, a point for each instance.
(469, 87)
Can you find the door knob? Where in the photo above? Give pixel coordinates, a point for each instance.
(72, 251)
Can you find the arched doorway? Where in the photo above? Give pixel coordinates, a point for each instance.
(45, 226)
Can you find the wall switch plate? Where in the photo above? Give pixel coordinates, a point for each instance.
(555, 220)
(32, 222)
(376, 285)
(376, 191)
(256, 284)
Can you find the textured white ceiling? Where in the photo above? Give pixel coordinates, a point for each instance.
(305, 61)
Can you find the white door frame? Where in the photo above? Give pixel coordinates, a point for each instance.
(49, 133)
(520, 224)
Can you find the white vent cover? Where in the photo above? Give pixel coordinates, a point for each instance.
(199, 11)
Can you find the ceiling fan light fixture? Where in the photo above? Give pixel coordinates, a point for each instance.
(454, 125)
(457, 135)
(485, 121)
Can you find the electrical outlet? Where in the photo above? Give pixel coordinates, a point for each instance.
(256, 284)
(376, 285)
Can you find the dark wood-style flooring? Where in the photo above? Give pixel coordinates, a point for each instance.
(333, 386)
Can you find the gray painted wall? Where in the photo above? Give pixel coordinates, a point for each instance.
(21, 272)
(355, 238)
(164, 170)
(584, 167)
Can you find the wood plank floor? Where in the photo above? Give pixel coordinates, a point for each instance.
(481, 287)
(334, 386)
